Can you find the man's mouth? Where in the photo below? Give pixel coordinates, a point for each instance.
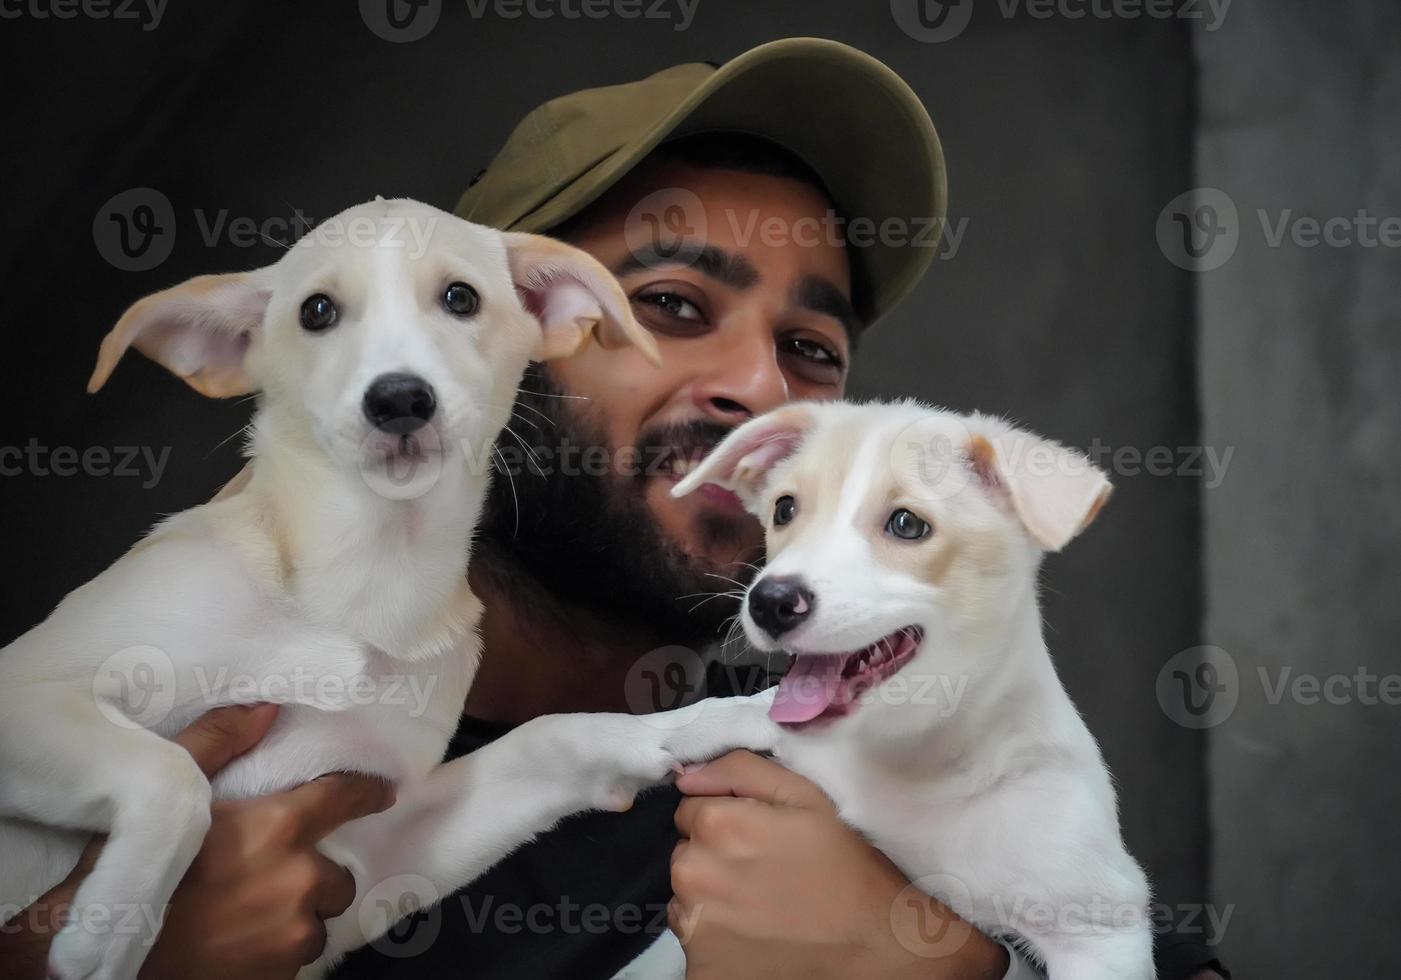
(830, 685)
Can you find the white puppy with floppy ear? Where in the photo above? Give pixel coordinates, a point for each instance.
(386, 347)
(903, 546)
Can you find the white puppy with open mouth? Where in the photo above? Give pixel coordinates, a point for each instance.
(903, 548)
(386, 348)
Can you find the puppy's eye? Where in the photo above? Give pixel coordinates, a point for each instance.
(783, 510)
(319, 313)
(461, 299)
(905, 525)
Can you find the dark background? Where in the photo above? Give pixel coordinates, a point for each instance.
(1066, 137)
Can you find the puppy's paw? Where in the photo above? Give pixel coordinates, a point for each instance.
(647, 764)
(80, 953)
(712, 727)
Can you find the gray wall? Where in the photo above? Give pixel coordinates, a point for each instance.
(1300, 372)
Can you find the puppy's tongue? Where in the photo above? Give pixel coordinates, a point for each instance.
(808, 689)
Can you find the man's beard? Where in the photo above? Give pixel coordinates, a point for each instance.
(582, 529)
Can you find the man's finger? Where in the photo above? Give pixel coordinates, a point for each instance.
(745, 774)
(218, 737)
(336, 892)
(337, 798)
(690, 808)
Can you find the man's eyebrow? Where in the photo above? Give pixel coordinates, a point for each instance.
(728, 268)
(821, 295)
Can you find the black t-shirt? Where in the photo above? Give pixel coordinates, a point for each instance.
(582, 901)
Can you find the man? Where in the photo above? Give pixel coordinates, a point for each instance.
(597, 584)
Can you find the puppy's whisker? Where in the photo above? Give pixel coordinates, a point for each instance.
(531, 408)
(240, 431)
(542, 394)
(710, 596)
(515, 501)
(726, 578)
(522, 418)
(530, 453)
(515, 405)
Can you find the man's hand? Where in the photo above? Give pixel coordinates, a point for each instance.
(770, 884)
(254, 901)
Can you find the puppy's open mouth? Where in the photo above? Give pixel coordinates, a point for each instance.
(830, 685)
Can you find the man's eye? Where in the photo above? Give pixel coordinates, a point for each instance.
(672, 304)
(813, 351)
(811, 361)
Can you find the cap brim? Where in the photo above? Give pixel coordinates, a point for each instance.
(845, 114)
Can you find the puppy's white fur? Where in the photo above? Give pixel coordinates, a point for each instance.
(968, 766)
(332, 582)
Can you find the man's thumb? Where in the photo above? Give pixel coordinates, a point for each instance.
(218, 737)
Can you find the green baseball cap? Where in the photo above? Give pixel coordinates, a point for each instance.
(845, 114)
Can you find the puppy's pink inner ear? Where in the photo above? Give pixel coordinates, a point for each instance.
(774, 449)
(1054, 499)
(567, 310)
(201, 330)
(742, 461)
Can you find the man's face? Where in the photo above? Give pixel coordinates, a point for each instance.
(746, 320)
(744, 327)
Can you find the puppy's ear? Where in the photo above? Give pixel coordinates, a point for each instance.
(1055, 492)
(743, 459)
(201, 330)
(573, 296)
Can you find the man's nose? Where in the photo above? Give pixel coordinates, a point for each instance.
(742, 378)
(778, 604)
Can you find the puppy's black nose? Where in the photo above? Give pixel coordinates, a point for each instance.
(399, 403)
(778, 604)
